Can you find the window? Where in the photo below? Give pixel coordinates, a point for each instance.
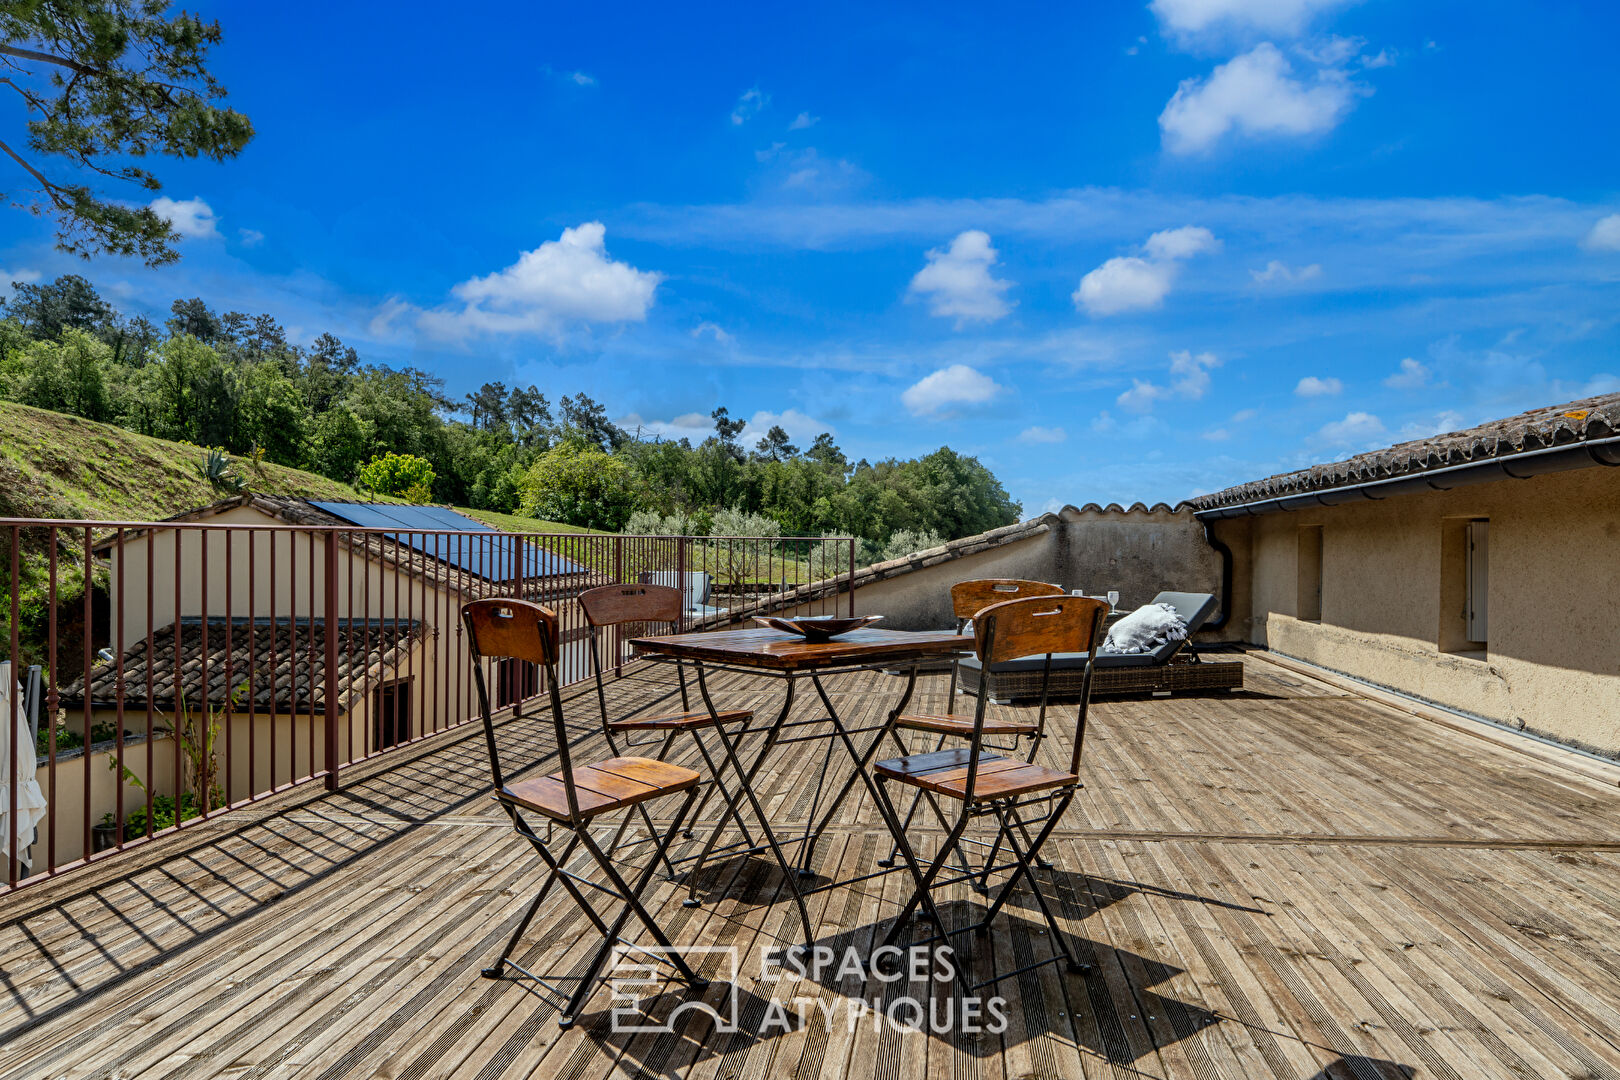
(391, 715)
(1476, 580)
(515, 681)
(1464, 586)
(1308, 604)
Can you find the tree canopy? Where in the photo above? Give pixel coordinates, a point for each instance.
(106, 85)
(232, 380)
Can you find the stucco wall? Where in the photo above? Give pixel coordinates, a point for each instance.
(1552, 661)
(1138, 552)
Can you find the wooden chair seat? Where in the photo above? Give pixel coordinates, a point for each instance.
(946, 724)
(944, 772)
(681, 721)
(601, 788)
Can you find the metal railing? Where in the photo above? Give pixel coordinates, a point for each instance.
(190, 668)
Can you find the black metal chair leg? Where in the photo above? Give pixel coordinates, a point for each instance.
(1026, 870)
(922, 881)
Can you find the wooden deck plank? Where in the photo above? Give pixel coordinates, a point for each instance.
(1341, 887)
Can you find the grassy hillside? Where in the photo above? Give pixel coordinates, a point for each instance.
(58, 466)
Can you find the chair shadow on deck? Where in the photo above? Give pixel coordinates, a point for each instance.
(1092, 1011)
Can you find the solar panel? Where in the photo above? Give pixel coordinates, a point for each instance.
(496, 555)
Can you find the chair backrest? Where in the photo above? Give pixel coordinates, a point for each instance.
(696, 586)
(968, 598)
(1040, 626)
(611, 605)
(517, 630)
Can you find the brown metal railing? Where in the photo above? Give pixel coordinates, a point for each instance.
(185, 669)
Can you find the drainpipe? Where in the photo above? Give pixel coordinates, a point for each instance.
(1226, 578)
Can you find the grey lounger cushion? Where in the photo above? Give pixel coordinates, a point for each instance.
(1194, 609)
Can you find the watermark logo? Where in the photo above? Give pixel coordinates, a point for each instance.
(790, 988)
(637, 974)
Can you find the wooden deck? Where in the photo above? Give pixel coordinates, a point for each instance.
(1295, 881)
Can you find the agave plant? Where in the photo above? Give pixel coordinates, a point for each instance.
(216, 469)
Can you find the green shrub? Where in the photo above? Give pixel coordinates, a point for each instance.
(403, 475)
(579, 484)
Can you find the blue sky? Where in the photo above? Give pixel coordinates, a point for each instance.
(1118, 251)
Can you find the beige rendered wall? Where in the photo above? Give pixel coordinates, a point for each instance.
(1391, 596)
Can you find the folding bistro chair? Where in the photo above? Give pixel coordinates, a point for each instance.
(988, 784)
(573, 797)
(968, 598)
(617, 605)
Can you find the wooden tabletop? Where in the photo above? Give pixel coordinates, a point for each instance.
(775, 650)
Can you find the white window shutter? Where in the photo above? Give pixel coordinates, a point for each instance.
(1478, 579)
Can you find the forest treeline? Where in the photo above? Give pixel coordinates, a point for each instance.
(235, 381)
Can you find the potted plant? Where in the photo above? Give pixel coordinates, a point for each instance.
(104, 835)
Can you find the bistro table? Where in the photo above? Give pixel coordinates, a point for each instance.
(787, 656)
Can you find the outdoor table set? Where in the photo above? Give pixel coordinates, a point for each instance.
(1009, 620)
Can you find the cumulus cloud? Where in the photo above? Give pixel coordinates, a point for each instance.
(713, 330)
(570, 279)
(801, 428)
(1605, 235)
(1189, 380)
(694, 426)
(1357, 429)
(802, 121)
(1134, 283)
(1196, 18)
(1038, 434)
(193, 219)
(947, 388)
(749, 105)
(1255, 94)
(1182, 243)
(1278, 272)
(1312, 386)
(250, 237)
(957, 281)
(1412, 376)
(1440, 424)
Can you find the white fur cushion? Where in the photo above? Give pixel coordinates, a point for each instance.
(1145, 629)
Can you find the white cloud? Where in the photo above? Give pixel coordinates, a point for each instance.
(1356, 429)
(1412, 376)
(1278, 272)
(8, 278)
(1440, 424)
(1194, 18)
(1219, 434)
(569, 279)
(1243, 416)
(1182, 243)
(1103, 423)
(1311, 386)
(694, 426)
(582, 79)
(193, 219)
(1038, 434)
(947, 387)
(383, 324)
(749, 105)
(1255, 94)
(250, 237)
(802, 121)
(957, 281)
(1605, 235)
(801, 428)
(1126, 283)
(1132, 283)
(714, 330)
(1190, 380)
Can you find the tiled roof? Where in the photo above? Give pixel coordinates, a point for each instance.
(1552, 426)
(277, 665)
